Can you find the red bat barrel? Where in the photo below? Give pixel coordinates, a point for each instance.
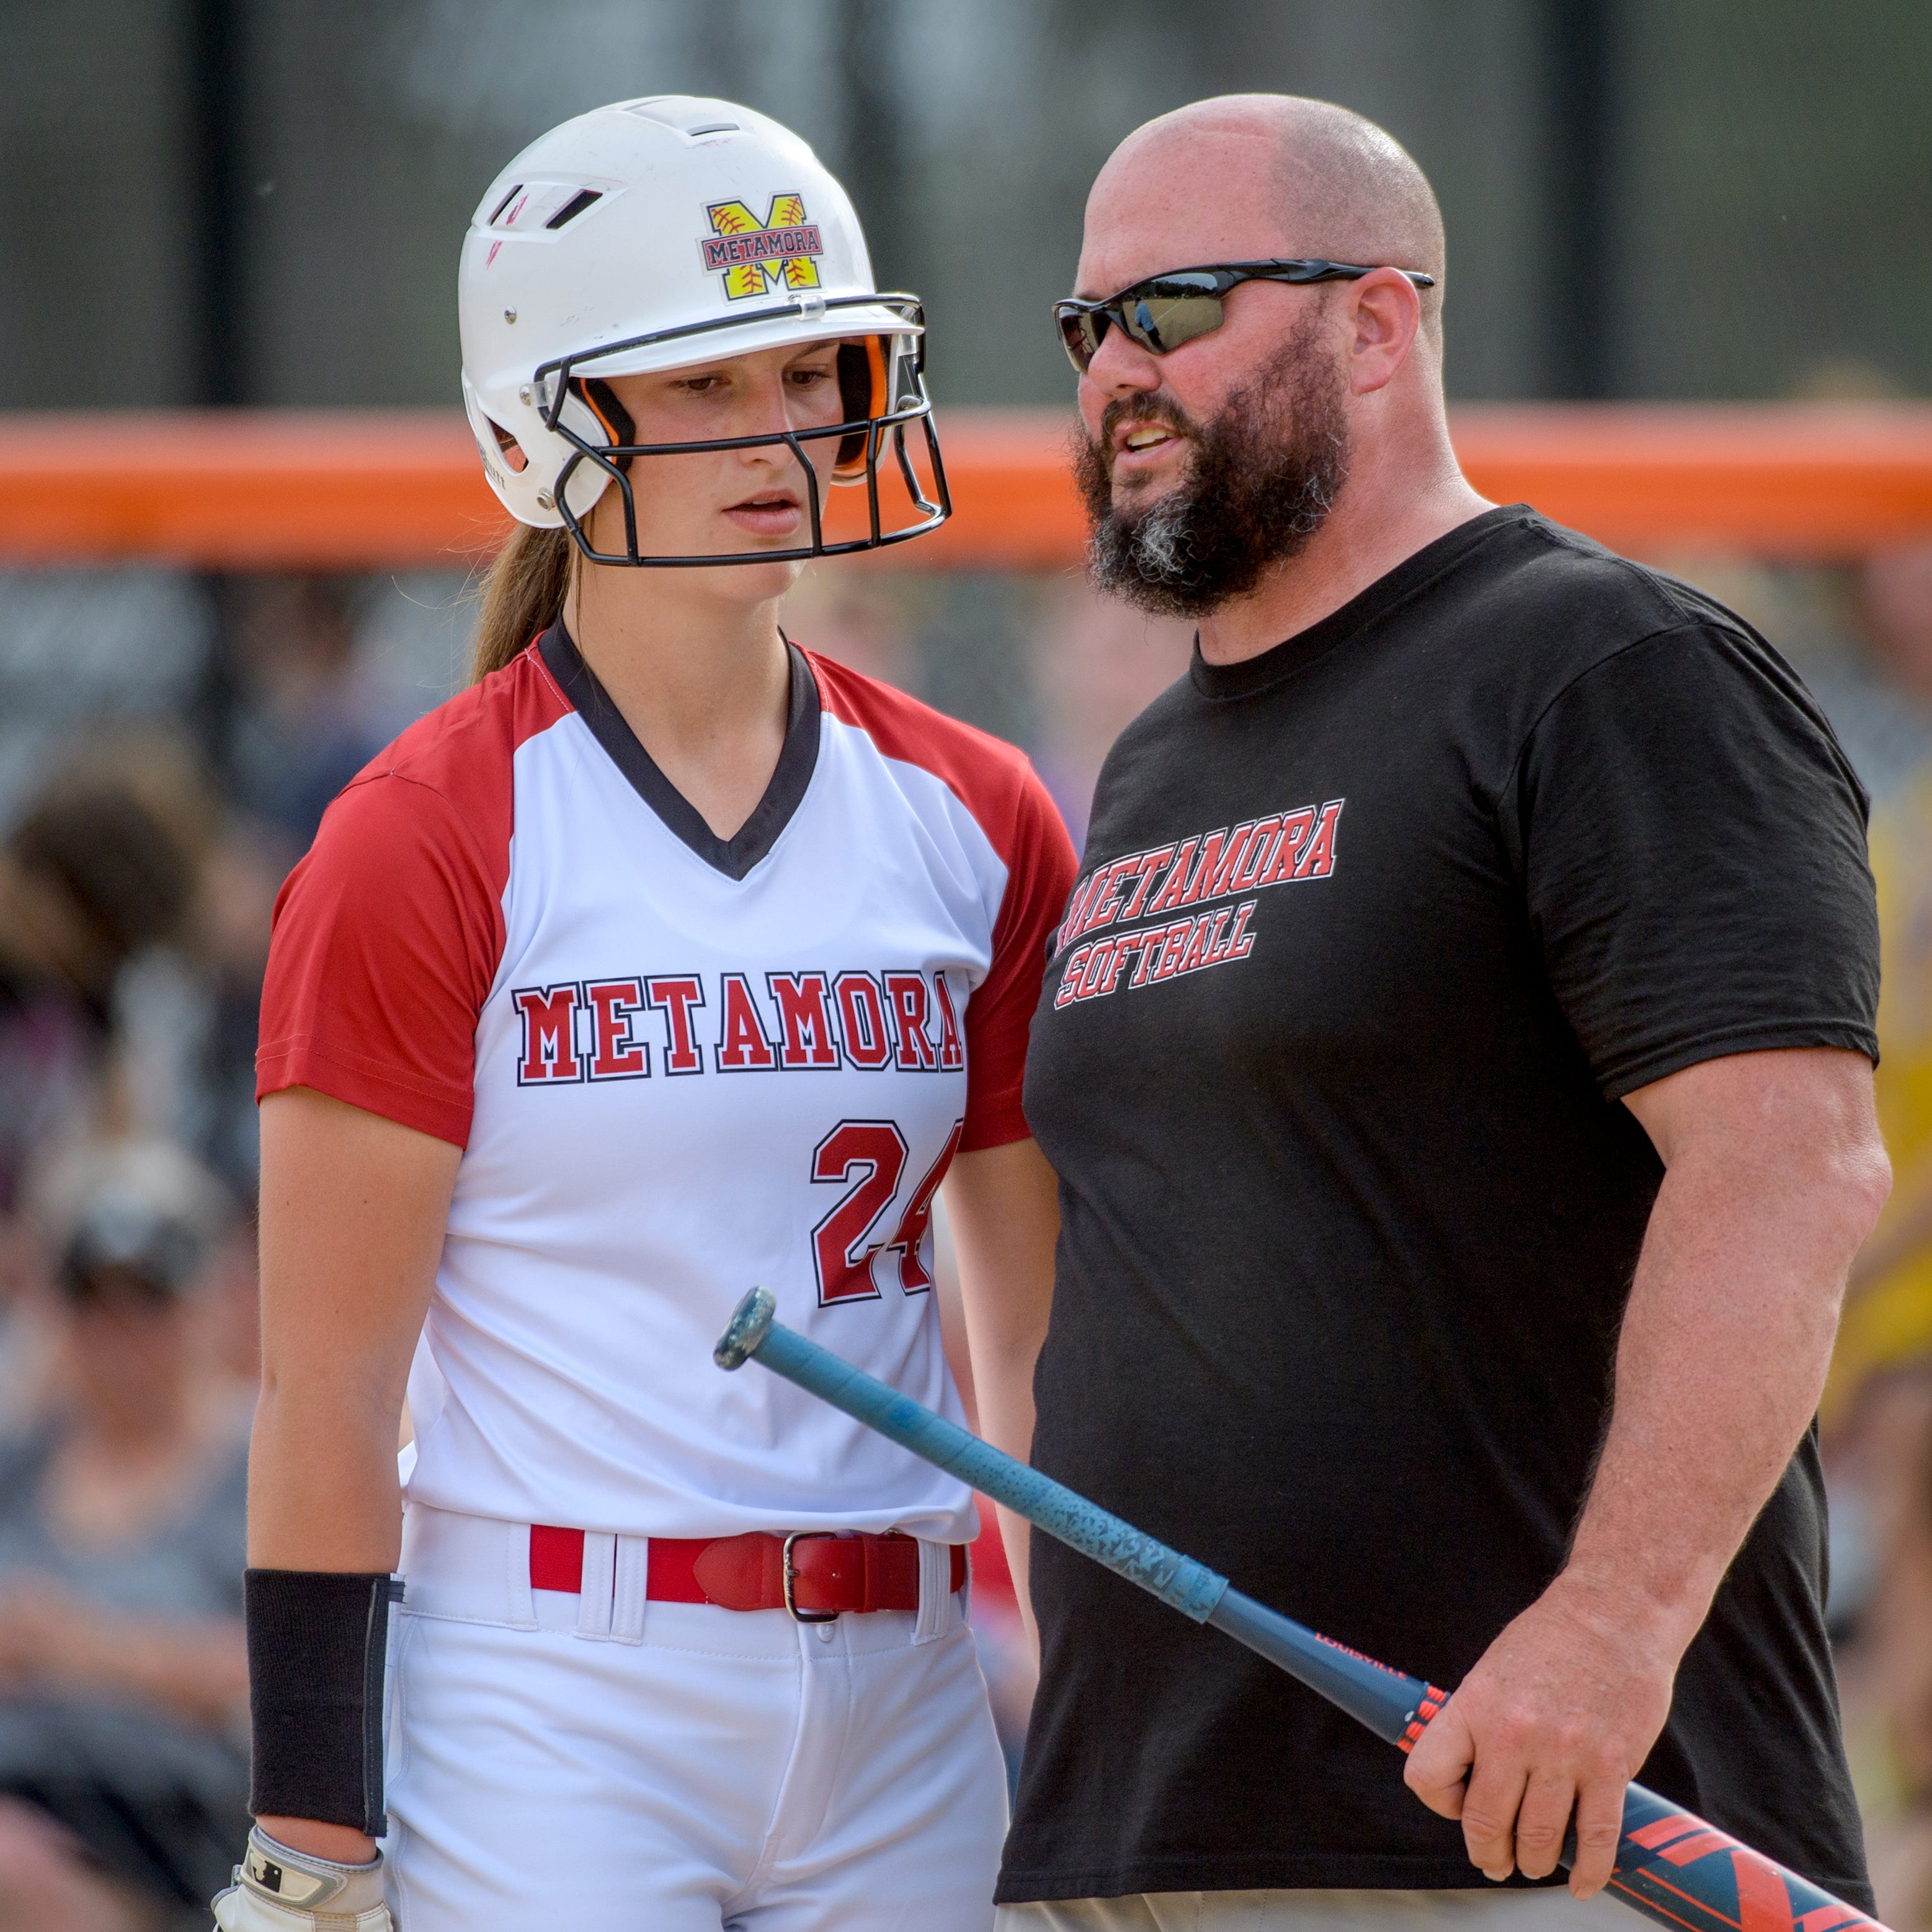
(1680, 1871)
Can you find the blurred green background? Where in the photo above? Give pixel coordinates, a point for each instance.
(260, 201)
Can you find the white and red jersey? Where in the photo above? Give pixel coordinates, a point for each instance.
(678, 1067)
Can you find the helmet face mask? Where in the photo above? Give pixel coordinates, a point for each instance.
(647, 215)
(873, 424)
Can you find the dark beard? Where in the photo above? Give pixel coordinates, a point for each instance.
(1263, 475)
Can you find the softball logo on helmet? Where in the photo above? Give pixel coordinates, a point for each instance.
(755, 256)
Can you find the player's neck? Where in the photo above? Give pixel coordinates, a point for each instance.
(702, 679)
(1400, 495)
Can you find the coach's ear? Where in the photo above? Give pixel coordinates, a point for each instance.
(1383, 315)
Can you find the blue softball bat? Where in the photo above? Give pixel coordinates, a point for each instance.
(1671, 1866)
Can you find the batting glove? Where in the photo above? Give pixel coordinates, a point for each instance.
(278, 1890)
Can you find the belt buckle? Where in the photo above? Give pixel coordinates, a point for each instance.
(791, 1576)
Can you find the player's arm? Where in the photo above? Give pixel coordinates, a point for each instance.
(1003, 1207)
(1774, 1173)
(354, 1210)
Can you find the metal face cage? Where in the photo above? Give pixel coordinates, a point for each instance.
(551, 386)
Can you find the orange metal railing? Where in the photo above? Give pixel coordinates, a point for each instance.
(367, 489)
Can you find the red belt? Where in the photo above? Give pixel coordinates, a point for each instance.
(815, 1574)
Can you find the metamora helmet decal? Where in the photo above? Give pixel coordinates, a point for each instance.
(757, 257)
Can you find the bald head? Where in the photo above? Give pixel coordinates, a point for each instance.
(1218, 453)
(1276, 174)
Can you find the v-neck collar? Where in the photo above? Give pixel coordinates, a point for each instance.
(733, 856)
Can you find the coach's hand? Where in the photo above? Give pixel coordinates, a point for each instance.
(1559, 1713)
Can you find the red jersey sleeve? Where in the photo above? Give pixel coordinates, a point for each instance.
(1040, 869)
(385, 941)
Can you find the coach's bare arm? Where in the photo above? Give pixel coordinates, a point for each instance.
(353, 1211)
(1774, 1173)
(1003, 1205)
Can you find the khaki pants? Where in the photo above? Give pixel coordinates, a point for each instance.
(1353, 1911)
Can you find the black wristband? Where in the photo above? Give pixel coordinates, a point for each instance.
(318, 1645)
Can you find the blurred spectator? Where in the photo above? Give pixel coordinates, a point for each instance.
(123, 1673)
(93, 878)
(49, 1883)
(1881, 1463)
(861, 620)
(1100, 664)
(315, 692)
(1864, 644)
(1878, 1407)
(1896, 599)
(1889, 1316)
(245, 867)
(90, 879)
(303, 727)
(1877, 686)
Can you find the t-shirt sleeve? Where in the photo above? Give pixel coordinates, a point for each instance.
(1040, 866)
(1691, 840)
(385, 941)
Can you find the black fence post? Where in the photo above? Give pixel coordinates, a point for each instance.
(214, 111)
(1580, 67)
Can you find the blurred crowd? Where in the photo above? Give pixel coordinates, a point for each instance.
(138, 872)
(140, 851)
(1878, 1409)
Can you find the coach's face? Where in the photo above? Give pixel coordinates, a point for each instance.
(1177, 198)
(1165, 203)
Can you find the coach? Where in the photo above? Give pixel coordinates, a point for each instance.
(1457, 1058)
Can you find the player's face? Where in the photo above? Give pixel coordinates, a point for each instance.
(1157, 207)
(715, 502)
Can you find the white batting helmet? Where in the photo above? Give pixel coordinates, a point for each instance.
(650, 235)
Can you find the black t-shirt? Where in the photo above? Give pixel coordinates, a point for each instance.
(1373, 932)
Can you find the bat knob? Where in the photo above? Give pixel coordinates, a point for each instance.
(751, 1321)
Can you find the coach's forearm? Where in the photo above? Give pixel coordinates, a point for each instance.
(1767, 1195)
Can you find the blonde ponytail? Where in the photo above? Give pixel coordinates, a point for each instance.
(522, 594)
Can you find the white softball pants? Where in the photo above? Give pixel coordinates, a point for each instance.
(696, 1769)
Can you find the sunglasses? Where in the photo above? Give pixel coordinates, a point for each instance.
(1165, 310)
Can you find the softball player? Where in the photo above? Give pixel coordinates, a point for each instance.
(667, 959)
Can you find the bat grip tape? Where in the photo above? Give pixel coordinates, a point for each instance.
(318, 1657)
